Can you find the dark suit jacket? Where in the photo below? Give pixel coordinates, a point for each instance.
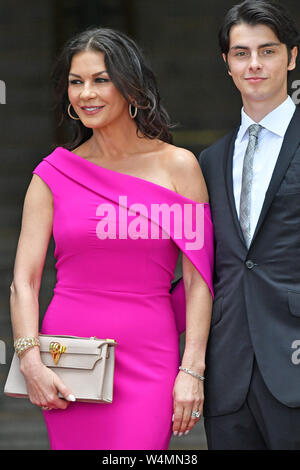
(256, 310)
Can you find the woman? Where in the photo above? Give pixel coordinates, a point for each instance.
(114, 286)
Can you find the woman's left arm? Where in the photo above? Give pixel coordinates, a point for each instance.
(188, 393)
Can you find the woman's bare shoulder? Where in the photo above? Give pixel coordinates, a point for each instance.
(185, 172)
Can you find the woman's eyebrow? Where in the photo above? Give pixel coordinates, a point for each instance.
(93, 75)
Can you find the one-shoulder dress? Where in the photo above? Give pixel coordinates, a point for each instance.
(117, 240)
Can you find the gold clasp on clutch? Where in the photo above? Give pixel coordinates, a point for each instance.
(56, 350)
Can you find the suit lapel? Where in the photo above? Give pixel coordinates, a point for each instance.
(288, 149)
(229, 149)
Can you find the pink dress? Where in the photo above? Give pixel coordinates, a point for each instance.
(113, 281)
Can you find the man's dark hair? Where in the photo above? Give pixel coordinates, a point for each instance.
(254, 12)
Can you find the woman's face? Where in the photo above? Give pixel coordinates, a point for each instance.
(90, 87)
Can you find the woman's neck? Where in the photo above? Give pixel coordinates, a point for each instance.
(116, 141)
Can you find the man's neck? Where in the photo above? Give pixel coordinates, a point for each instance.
(258, 110)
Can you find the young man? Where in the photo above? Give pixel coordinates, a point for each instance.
(252, 386)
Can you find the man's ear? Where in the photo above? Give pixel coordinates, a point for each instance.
(294, 53)
(226, 63)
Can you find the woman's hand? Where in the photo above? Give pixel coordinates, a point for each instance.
(188, 396)
(43, 386)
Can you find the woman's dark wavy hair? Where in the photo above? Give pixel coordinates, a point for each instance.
(266, 12)
(129, 72)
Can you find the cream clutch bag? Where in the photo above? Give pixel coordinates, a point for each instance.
(85, 365)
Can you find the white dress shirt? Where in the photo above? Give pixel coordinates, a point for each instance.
(270, 141)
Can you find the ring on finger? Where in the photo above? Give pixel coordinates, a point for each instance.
(46, 408)
(195, 414)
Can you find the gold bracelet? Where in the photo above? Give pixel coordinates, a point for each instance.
(22, 344)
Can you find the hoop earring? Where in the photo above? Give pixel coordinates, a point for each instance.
(132, 115)
(69, 113)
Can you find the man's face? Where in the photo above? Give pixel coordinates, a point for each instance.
(258, 63)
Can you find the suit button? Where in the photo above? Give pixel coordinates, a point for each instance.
(249, 264)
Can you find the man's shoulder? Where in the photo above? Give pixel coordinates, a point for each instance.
(216, 150)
